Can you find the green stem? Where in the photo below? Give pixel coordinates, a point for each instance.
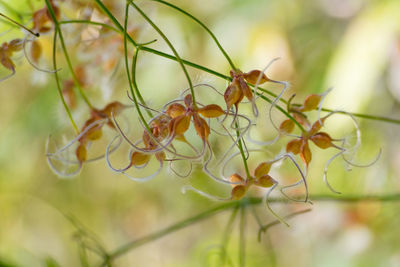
(178, 58)
(245, 202)
(94, 23)
(220, 75)
(59, 85)
(134, 67)
(137, 91)
(242, 237)
(20, 25)
(202, 25)
(227, 234)
(284, 112)
(53, 16)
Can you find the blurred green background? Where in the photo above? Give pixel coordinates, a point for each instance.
(351, 46)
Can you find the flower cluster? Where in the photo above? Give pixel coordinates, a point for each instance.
(163, 128)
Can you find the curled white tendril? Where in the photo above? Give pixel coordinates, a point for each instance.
(273, 104)
(62, 154)
(31, 62)
(253, 102)
(343, 150)
(130, 165)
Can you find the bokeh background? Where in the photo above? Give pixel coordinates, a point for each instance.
(350, 46)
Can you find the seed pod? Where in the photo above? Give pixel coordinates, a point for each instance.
(322, 140)
(294, 146)
(211, 111)
(174, 110)
(238, 192)
(286, 127)
(262, 169)
(265, 181)
(252, 77)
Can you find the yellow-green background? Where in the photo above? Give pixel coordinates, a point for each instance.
(352, 46)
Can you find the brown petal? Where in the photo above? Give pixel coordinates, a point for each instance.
(139, 159)
(252, 77)
(245, 89)
(302, 119)
(160, 156)
(322, 140)
(16, 45)
(188, 100)
(311, 102)
(287, 126)
(211, 111)
(174, 110)
(317, 126)
(266, 181)
(294, 146)
(238, 192)
(233, 95)
(36, 51)
(81, 153)
(180, 124)
(262, 169)
(236, 178)
(114, 108)
(7, 62)
(201, 126)
(305, 153)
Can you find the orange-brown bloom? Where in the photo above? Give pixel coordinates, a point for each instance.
(238, 88)
(261, 178)
(181, 116)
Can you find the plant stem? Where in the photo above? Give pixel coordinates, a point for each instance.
(94, 23)
(137, 91)
(227, 234)
(58, 83)
(244, 202)
(242, 237)
(133, 68)
(204, 26)
(228, 78)
(178, 58)
(54, 18)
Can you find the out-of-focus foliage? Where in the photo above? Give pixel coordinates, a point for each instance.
(352, 46)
